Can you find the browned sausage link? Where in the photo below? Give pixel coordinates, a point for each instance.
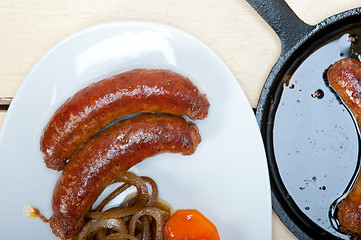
(114, 150)
(344, 77)
(94, 107)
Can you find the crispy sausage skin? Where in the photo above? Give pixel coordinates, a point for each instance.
(94, 107)
(104, 156)
(344, 77)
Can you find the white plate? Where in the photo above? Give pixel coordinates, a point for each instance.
(226, 179)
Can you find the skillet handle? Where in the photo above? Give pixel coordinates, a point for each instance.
(280, 17)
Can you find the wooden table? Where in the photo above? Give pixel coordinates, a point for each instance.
(28, 29)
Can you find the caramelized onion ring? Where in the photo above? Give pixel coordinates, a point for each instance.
(150, 211)
(153, 198)
(120, 236)
(94, 226)
(165, 210)
(144, 214)
(146, 228)
(111, 196)
(142, 198)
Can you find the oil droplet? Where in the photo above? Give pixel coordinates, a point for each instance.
(318, 94)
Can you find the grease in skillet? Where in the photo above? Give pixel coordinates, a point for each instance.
(315, 141)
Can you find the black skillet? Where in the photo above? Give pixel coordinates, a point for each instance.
(311, 139)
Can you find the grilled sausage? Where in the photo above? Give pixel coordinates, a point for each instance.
(344, 77)
(112, 151)
(94, 107)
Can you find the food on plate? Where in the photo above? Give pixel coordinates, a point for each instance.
(106, 155)
(100, 147)
(140, 216)
(94, 107)
(190, 224)
(344, 77)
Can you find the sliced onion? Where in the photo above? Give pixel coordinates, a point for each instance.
(111, 196)
(144, 214)
(120, 236)
(150, 211)
(154, 196)
(146, 231)
(94, 226)
(164, 208)
(142, 198)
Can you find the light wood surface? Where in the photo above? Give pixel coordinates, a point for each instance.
(28, 29)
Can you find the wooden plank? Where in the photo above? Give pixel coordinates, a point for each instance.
(5, 101)
(279, 230)
(2, 117)
(230, 27)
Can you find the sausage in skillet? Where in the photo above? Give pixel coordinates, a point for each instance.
(344, 77)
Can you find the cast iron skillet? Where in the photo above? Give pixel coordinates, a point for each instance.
(312, 141)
